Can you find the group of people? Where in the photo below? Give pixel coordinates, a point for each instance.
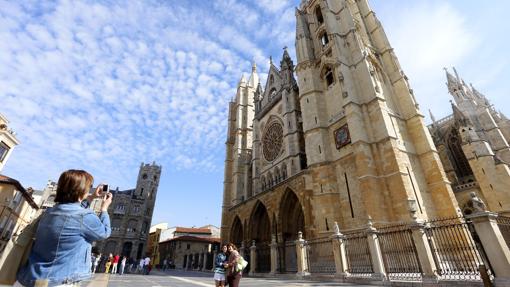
(109, 264)
(226, 270)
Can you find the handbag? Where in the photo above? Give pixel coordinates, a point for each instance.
(241, 264)
(16, 252)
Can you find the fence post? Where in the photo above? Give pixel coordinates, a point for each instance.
(425, 256)
(301, 256)
(274, 255)
(242, 250)
(493, 244)
(375, 252)
(339, 252)
(253, 258)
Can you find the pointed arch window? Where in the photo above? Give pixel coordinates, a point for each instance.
(462, 168)
(318, 15)
(271, 79)
(272, 94)
(324, 39)
(328, 76)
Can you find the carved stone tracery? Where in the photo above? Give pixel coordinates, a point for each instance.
(272, 141)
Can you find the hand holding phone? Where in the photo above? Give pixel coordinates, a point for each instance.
(107, 200)
(106, 189)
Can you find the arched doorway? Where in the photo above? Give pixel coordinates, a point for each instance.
(260, 232)
(292, 221)
(236, 232)
(292, 218)
(260, 227)
(140, 252)
(126, 249)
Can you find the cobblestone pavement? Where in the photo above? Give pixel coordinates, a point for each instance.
(194, 279)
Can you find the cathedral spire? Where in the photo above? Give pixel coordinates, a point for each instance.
(286, 62)
(243, 80)
(432, 117)
(452, 82)
(254, 77)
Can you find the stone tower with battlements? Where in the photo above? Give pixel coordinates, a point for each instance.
(131, 215)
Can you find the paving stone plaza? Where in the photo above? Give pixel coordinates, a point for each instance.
(192, 279)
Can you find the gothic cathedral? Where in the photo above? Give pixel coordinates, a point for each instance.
(345, 142)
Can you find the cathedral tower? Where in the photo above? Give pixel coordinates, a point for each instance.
(237, 178)
(473, 146)
(360, 113)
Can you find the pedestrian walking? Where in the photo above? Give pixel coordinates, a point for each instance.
(123, 265)
(131, 264)
(140, 265)
(146, 263)
(219, 268)
(234, 276)
(95, 263)
(108, 263)
(115, 263)
(65, 233)
(165, 264)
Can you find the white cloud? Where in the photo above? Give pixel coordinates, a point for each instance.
(104, 88)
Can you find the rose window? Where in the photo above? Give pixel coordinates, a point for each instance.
(272, 141)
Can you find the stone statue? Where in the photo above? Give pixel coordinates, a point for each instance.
(336, 229)
(476, 203)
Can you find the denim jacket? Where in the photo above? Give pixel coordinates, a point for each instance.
(221, 259)
(62, 249)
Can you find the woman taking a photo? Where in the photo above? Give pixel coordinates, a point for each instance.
(219, 268)
(61, 252)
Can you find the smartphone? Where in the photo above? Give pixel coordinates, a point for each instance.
(105, 189)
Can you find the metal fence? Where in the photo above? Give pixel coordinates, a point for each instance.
(455, 250)
(504, 227)
(359, 261)
(320, 255)
(263, 252)
(399, 253)
(287, 257)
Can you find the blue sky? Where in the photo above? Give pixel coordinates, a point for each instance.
(105, 85)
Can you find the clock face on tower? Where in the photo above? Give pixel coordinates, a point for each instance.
(342, 136)
(272, 141)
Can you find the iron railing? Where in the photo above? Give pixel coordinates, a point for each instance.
(263, 252)
(287, 257)
(320, 255)
(504, 227)
(454, 249)
(359, 261)
(399, 253)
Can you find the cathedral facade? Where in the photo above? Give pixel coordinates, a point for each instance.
(473, 146)
(131, 215)
(343, 142)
